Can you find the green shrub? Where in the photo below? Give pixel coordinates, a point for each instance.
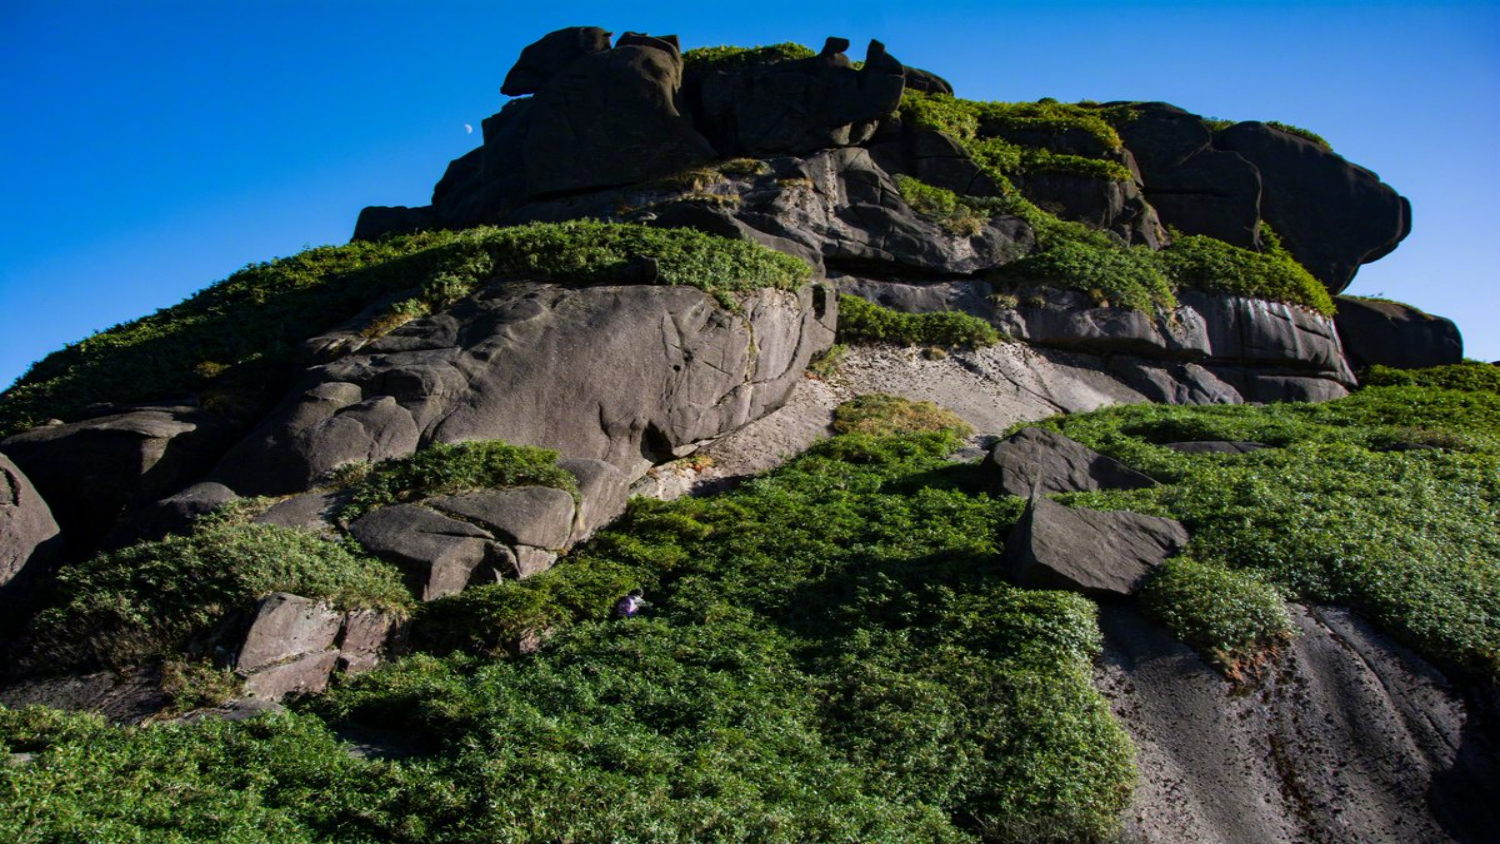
(240, 336)
(879, 414)
(151, 600)
(1112, 275)
(453, 468)
(942, 207)
(825, 364)
(1207, 263)
(861, 321)
(1232, 617)
(709, 59)
(1469, 376)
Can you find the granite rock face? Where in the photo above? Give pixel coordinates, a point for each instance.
(294, 645)
(628, 375)
(1100, 554)
(1392, 334)
(1036, 461)
(30, 543)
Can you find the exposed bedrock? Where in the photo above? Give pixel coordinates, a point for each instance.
(630, 375)
(1253, 350)
(1349, 737)
(92, 471)
(1392, 334)
(1041, 461)
(30, 544)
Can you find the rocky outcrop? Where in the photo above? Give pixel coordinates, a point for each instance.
(173, 514)
(30, 544)
(1099, 554)
(1037, 461)
(293, 645)
(629, 375)
(1376, 332)
(91, 471)
(1350, 738)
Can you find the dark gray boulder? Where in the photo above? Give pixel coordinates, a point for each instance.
(439, 553)
(30, 544)
(611, 118)
(285, 626)
(541, 517)
(173, 514)
(799, 107)
(1095, 553)
(548, 56)
(626, 374)
(1331, 215)
(927, 82)
(91, 472)
(1392, 334)
(1039, 461)
(316, 511)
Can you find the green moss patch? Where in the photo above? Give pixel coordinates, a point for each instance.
(1206, 263)
(241, 334)
(861, 321)
(880, 414)
(1231, 616)
(450, 469)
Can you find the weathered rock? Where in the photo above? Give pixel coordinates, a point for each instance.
(439, 553)
(1036, 461)
(1109, 204)
(541, 517)
(90, 472)
(547, 57)
(1391, 334)
(603, 491)
(927, 82)
(314, 511)
(286, 626)
(1254, 332)
(1192, 185)
(173, 514)
(363, 641)
(568, 147)
(304, 675)
(30, 544)
(1092, 552)
(799, 107)
(377, 220)
(1331, 215)
(1215, 447)
(623, 374)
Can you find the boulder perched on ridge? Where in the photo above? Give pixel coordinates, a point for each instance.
(1392, 334)
(1041, 461)
(1096, 553)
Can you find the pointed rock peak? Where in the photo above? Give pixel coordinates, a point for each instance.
(834, 46)
(877, 60)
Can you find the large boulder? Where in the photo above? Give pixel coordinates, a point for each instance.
(1039, 461)
(546, 57)
(799, 107)
(633, 375)
(440, 554)
(1093, 552)
(30, 544)
(611, 118)
(93, 471)
(1376, 332)
(1331, 215)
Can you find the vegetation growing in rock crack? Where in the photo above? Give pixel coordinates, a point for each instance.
(452, 468)
(239, 337)
(861, 321)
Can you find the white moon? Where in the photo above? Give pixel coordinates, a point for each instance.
(468, 130)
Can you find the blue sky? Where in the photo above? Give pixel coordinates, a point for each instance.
(151, 148)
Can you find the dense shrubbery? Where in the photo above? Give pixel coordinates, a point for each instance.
(1469, 376)
(241, 334)
(1113, 275)
(449, 469)
(1229, 615)
(1343, 510)
(866, 322)
(879, 414)
(830, 655)
(150, 600)
(951, 212)
(1207, 263)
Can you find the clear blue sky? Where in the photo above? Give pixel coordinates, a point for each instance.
(151, 148)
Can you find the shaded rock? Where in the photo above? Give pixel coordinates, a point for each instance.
(1095, 553)
(30, 544)
(622, 374)
(1257, 332)
(543, 59)
(799, 107)
(90, 472)
(568, 147)
(1173, 383)
(1109, 204)
(314, 511)
(603, 492)
(363, 641)
(538, 516)
(173, 514)
(1039, 461)
(1392, 334)
(1215, 447)
(927, 82)
(286, 626)
(1272, 385)
(439, 553)
(377, 220)
(125, 697)
(303, 675)
(1331, 215)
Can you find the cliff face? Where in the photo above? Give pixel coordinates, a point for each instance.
(316, 450)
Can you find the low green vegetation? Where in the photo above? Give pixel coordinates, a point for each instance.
(1119, 276)
(943, 207)
(1231, 616)
(879, 414)
(153, 600)
(1470, 376)
(1206, 263)
(709, 59)
(452, 468)
(829, 655)
(1384, 502)
(234, 342)
(861, 321)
